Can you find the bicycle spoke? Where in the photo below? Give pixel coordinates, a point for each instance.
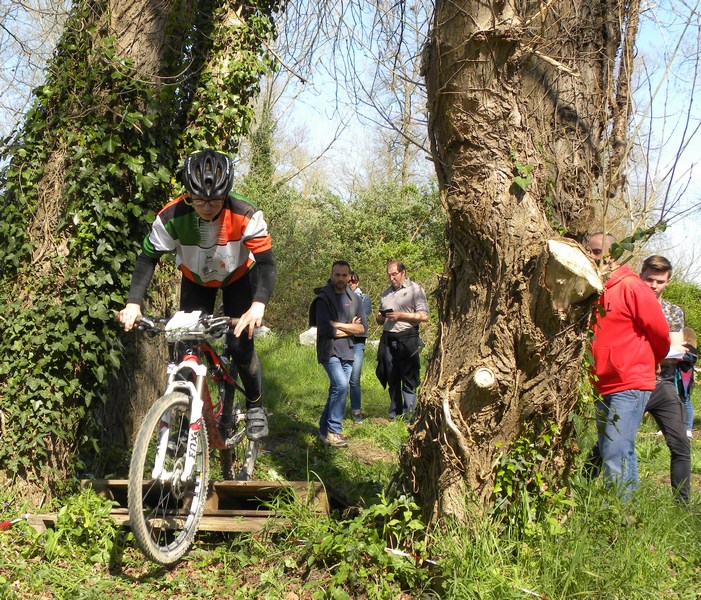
(165, 511)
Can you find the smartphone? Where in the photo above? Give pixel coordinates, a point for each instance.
(384, 311)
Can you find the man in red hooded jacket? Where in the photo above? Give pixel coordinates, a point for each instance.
(631, 336)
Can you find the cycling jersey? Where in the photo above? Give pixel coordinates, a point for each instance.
(209, 253)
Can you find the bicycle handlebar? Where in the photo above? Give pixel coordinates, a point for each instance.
(206, 325)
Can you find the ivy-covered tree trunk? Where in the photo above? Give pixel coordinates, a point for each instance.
(133, 86)
(522, 97)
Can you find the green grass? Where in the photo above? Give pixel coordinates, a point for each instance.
(589, 545)
(295, 392)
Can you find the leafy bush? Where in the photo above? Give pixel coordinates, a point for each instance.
(356, 554)
(381, 223)
(688, 296)
(84, 530)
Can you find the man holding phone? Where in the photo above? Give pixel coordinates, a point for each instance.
(403, 307)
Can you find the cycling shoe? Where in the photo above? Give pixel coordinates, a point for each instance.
(256, 424)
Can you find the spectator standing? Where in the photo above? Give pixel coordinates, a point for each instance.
(403, 307)
(337, 314)
(665, 403)
(630, 338)
(358, 350)
(685, 376)
(219, 241)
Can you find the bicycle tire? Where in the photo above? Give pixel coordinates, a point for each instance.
(164, 515)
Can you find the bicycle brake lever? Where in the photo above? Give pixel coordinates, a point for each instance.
(219, 330)
(145, 322)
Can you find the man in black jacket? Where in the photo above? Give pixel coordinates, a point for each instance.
(337, 315)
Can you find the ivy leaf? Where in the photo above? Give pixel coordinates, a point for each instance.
(522, 182)
(100, 373)
(33, 383)
(111, 143)
(99, 311)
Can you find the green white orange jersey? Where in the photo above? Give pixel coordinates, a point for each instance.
(209, 253)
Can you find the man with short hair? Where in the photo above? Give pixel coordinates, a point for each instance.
(657, 273)
(403, 306)
(338, 317)
(630, 337)
(664, 404)
(600, 243)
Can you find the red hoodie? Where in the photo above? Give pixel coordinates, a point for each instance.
(631, 338)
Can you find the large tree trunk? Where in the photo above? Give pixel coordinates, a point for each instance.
(141, 36)
(515, 90)
(132, 87)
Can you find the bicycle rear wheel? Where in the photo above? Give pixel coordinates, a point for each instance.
(164, 511)
(239, 459)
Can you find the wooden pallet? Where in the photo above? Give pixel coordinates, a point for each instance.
(231, 506)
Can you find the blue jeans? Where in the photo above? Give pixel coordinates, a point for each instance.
(618, 418)
(358, 356)
(339, 372)
(689, 413)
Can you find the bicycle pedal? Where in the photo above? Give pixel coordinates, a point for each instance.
(234, 440)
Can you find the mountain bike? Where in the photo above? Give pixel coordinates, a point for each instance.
(169, 470)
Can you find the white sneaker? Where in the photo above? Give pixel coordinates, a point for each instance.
(689, 433)
(659, 433)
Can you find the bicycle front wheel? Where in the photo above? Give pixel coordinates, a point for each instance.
(165, 507)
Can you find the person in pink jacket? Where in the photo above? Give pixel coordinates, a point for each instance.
(630, 337)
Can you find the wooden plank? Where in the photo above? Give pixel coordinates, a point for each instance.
(41, 522)
(227, 524)
(309, 493)
(231, 506)
(220, 492)
(237, 525)
(258, 513)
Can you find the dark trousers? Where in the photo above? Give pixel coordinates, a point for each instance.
(403, 367)
(237, 298)
(668, 410)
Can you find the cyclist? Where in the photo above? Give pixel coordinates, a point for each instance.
(220, 241)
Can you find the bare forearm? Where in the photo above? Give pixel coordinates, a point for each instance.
(415, 318)
(348, 329)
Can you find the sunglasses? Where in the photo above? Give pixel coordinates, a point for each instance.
(201, 202)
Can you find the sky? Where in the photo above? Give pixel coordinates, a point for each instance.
(669, 37)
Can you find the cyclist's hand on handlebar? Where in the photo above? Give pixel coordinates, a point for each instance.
(129, 315)
(251, 319)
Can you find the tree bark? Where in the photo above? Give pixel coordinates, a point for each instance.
(519, 98)
(142, 36)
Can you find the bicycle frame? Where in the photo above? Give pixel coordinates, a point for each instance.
(199, 396)
(169, 468)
